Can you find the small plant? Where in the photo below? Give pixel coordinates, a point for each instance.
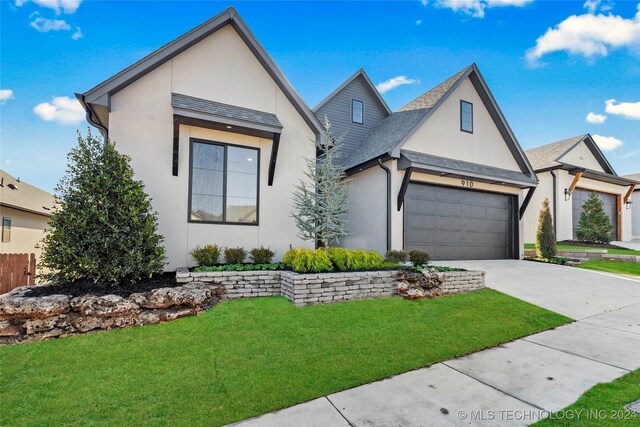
(234, 255)
(209, 255)
(594, 225)
(545, 238)
(355, 260)
(261, 255)
(418, 257)
(307, 261)
(396, 256)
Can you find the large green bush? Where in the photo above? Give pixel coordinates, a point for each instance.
(103, 228)
(209, 255)
(594, 225)
(545, 237)
(307, 261)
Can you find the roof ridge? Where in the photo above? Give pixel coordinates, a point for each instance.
(429, 98)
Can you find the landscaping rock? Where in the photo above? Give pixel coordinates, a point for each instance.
(43, 307)
(34, 326)
(193, 294)
(87, 323)
(107, 306)
(425, 284)
(9, 329)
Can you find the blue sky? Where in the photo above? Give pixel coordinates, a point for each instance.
(548, 63)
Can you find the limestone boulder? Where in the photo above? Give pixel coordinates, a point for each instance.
(192, 294)
(12, 307)
(10, 329)
(107, 306)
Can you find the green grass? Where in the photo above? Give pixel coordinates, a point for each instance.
(619, 267)
(247, 357)
(602, 404)
(580, 248)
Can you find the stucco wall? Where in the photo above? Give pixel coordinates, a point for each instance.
(27, 230)
(441, 134)
(635, 215)
(530, 218)
(582, 156)
(220, 68)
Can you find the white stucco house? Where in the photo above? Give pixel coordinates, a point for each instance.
(635, 207)
(568, 171)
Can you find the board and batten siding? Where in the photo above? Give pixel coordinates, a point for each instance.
(338, 110)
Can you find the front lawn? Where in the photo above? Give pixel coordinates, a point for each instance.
(247, 357)
(619, 267)
(591, 248)
(602, 404)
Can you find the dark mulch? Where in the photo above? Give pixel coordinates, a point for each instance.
(591, 245)
(85, 287)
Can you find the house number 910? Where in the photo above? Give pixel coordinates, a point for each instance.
(466, 183)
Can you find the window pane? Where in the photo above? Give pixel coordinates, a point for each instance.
(6, 230)
(357, 108)
(466, 116)
(207, 180)
(242, 184)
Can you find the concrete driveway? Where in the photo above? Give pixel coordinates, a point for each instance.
(513, 384)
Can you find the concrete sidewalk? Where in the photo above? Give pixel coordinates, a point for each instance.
(513, 384)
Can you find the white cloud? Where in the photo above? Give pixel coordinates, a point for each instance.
(62, 109)
(588, 35)
(596, 118)
(66, 6)
(628, 110)
(476, 8)
(45, 25)
(394, 82)
(5, 95)
(607, 143)
(591, 5)
(418, 21)
(78, 34)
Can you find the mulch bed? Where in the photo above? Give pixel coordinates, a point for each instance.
(85, 287)
(591, 245)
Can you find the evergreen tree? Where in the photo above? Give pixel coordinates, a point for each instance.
(320, 200)
(545, 237)
(103, 228)
(594, 225)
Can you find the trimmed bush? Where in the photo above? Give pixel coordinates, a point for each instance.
(545, 238)
(418, 257)
(354, 260)
(594, 225)
(307, 261)
(209, 255)
(261, 255)
(103, 227)
(396, 256)
(234, 255)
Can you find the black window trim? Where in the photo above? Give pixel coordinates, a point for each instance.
(462, 101)
(225, 145)
(361, 102)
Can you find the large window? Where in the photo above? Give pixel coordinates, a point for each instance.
(466, 116)
(6, 230)
(224, 183)
(357, 111)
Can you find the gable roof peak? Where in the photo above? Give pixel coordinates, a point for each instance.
(367, 79)
(430, 98)
(550, 156)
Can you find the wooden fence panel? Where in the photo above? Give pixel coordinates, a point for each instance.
(16, 270)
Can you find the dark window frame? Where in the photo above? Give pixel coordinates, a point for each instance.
(462, 102)
(361, 102)
(225, 145)
(8, 238)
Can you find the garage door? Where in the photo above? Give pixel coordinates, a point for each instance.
(451, 223)
(610, 202)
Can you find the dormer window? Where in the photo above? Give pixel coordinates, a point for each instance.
(466, 116)
(357, 111)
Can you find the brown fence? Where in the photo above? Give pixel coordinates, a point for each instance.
(16, 270)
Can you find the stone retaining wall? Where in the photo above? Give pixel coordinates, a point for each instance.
(239, 284)
(462, 281)
(25, 318)
(602, 254)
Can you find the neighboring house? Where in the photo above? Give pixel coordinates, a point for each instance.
(443, 174)
(635, 207)
(568, 171)
(25, 211)
(216, 133)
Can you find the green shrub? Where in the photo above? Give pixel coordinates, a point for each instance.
(307, 261)
(396, 256)
(209, 255)
(241, 267)
(104, 228)
(545, 237)
(418, 257)
(234, 255)
(354, 260)
(594, 225)
(261, 255)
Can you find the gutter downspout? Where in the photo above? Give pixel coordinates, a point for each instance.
(555, 204)
(386, 169)
(92, 118)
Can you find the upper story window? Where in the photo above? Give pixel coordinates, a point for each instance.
(6, 230)
(223, 183)
(357, 111)
(466, 116)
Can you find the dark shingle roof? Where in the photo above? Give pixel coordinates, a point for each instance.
(224, 110)
(384, 138)
(431, 98)
(463, 167)
(547, 156)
